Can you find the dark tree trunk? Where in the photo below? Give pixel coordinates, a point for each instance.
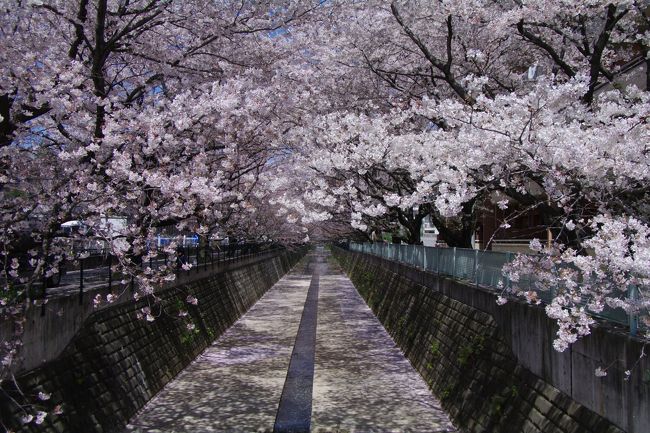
(413, 223)
(458, 232)
(7, 128)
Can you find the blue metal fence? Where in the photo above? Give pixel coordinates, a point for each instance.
(482, 268)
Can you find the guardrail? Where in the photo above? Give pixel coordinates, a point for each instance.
(481, 268)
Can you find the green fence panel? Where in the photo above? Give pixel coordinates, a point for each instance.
(484, 268)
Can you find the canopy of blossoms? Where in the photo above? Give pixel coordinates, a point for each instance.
(287, 120)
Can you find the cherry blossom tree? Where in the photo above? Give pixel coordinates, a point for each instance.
(291, 120)
(462, 119)
(162, 113)
(158, 111)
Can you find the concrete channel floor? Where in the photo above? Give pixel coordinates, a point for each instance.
(361, 380)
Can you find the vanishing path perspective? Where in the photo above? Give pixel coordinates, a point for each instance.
(308, 356)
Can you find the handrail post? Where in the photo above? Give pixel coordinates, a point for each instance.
(476, 267)
(453, 267)
(44, 288)
(81, 280)
(508, 260)
(633, 319)
(110, 273)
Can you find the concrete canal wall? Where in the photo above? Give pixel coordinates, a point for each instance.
(493, 366)
(117, 362)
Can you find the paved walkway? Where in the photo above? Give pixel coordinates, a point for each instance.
(308, 356)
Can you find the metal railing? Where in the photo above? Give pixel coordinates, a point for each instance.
(198, 258)
(89, 271)
(481, 268)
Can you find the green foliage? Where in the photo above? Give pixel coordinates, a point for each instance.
(496, 405)
(189, 335)
(178, 304)
(474, 347)
(14, 193)
(464, 353)
(434, 348)
(365, 279)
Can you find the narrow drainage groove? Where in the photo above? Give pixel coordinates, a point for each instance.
(294, 410)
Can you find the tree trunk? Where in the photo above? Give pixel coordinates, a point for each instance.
(458, 232)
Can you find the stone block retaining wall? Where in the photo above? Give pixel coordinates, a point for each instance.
(116, 363)
(461, 353)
